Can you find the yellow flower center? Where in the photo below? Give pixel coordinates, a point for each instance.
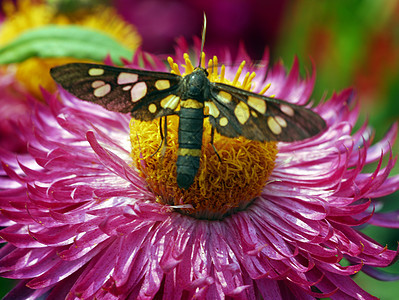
(221, 187)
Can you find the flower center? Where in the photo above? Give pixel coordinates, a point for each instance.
(221, 186)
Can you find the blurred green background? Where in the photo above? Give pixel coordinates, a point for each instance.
(353, 43)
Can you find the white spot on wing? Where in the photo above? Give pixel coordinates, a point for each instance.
(288, 110)
(97, 84)
(102, 90)
(124, 78)
(138, 91)
(280, 120)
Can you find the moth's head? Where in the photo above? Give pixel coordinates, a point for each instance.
(197, 83)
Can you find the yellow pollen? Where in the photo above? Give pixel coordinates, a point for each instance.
(173, 66)
(264, 90)
(189, 65)
(222, 72)
(203, 60)
(210, 66)
(239, 71)
(245, 82)
(220, 188)
(215, 66)
(248, 86)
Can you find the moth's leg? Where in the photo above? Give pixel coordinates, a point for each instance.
(163, 139)
(213, 146)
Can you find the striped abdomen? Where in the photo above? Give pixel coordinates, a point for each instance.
(191, 122)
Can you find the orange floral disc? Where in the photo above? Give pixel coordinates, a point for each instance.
(221, 187)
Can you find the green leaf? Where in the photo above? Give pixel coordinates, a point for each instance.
(64, 41)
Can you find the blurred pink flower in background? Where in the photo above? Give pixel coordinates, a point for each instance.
(254, 22)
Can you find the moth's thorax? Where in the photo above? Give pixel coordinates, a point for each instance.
(196, 85)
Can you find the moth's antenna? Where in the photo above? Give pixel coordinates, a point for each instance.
(202, 40)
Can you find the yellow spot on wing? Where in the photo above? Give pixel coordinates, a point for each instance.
(258, 104)
(172, 101)
(96, 72)
(223, 121)
(242, 112)
(152, 108)
(224, 97)
(212, 109)
(162, 84)
(273, 125)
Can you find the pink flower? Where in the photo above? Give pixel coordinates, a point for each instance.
(256, 22)
(80, 222)
(13, 110)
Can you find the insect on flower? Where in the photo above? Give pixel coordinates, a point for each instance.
(148, 95)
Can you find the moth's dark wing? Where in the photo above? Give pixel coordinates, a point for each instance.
(121, 89)
(236, 112)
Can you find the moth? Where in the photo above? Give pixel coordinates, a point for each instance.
(149, 95)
